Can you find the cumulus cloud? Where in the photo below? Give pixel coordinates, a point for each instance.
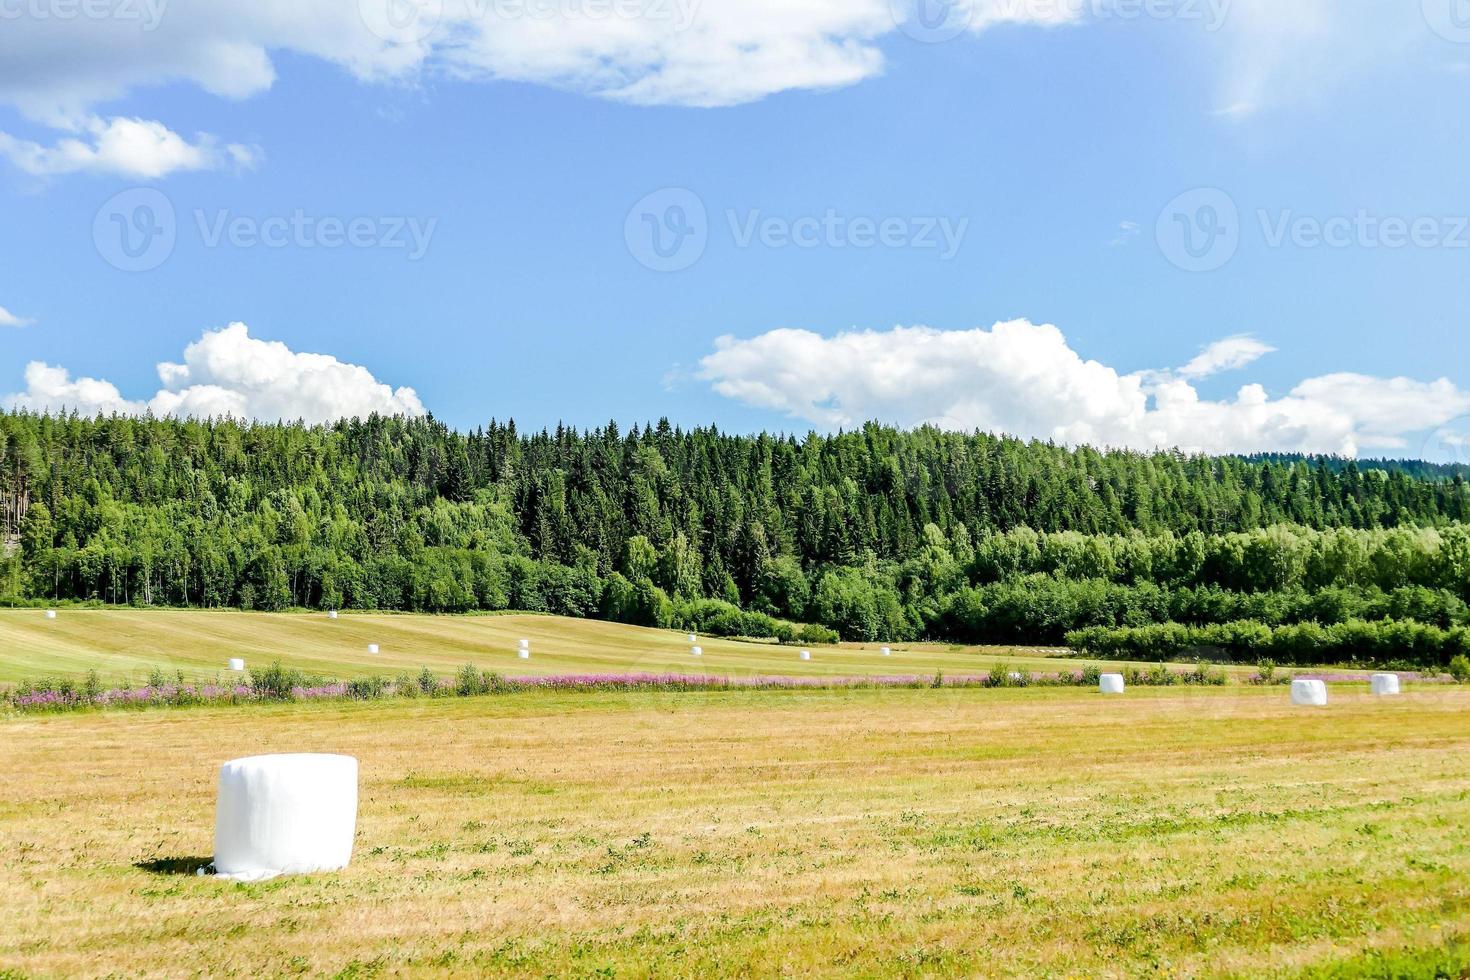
(139, 148)
(228, 372)
(9, 319)
(1025, 379)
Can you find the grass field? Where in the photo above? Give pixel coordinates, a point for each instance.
(126, 644)
(916, 833)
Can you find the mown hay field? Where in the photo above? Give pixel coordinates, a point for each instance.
(126, 644)
(1182, 832)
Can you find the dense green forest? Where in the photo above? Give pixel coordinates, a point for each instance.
(877, 533)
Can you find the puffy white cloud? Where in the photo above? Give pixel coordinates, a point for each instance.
(51, 389)
(1026, 380)
(1229, 354)
(138, 148)
(228, 372)
(9, 319)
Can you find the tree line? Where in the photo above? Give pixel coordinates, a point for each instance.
(875, 533)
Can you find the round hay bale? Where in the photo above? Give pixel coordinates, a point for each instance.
(1385, 685)
(237, 663)
(1309, 694)
(1111, 684)
(284, 814)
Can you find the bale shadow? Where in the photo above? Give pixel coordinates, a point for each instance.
(174, 866)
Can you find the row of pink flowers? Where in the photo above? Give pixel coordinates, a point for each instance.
(193, 694)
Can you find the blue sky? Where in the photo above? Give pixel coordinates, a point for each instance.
(1048, 152)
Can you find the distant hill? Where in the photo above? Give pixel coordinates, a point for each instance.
(1416, 468)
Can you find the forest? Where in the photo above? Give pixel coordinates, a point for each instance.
(877, 533)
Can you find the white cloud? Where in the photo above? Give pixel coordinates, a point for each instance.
(9, 319)
(1229, 354)
(1273, 51)
(51, 389)
(663, 52)
(1024, 379)
(138, 148)
(228, 372)
(666, 52)
(1127, 231)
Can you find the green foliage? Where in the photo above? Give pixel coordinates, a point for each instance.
(367, 688)
(1307, 644)
(276, 682)
(1460, 668)
(469, 681)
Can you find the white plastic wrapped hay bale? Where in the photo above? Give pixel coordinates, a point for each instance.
(696, 651)
(1385, 685)
(372, 648)
(332, 614)
(237, 663)
(523, 653)
(525, 644)
(886, 652)
(693, 638)
(1309, 694)
(51, 614)
(806, 655)
(1111, 684)
(285, 814)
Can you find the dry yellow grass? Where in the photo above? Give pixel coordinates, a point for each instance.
(1035, 832)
